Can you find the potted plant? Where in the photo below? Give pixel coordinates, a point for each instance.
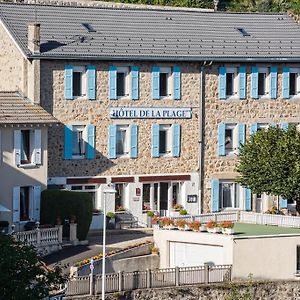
(177, 207)
(150, 215)
(181, 224)
(195, 226)
(154, 220)
(155, 250)
(110, 220)
(183, 212)
(213, 227)
(227, 227)
(167, 223)
(203, 228)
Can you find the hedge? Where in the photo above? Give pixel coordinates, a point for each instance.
(66, 204)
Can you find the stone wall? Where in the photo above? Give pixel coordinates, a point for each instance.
(257, 290)
(97, 113)
(12, 64)
(246, 111)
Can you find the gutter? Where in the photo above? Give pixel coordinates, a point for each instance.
(201, 146)
(169, 59)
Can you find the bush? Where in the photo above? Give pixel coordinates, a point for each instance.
(110, 215)
(67, 205)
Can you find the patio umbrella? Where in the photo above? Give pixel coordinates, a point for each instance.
(3, 209)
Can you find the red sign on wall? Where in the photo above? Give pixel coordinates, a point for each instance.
(138, 192)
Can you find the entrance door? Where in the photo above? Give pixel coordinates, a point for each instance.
(163, 198)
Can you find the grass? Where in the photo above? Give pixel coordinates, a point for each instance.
(242, 229)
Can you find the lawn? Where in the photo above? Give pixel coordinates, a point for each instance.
(242, 229)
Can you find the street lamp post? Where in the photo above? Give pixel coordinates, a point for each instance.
(109, 191)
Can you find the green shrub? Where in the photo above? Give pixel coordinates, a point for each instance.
(67, 205)
(110, 215)
(183, 212)
(150, 214)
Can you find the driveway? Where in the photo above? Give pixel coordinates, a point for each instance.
(69, 255)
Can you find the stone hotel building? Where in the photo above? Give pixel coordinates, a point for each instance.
(154, 101)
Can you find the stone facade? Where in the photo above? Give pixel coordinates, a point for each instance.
(12, 64)
(97, 113)
(246, 111)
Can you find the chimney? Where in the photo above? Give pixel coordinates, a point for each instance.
(34, 37)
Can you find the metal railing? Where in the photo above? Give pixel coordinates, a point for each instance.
(268, 219)
(125, 281)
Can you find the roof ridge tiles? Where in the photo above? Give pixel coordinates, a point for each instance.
(133, 7)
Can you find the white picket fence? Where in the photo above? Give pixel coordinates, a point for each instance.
(126, 281)
(245, 217)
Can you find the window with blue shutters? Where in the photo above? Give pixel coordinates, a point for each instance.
(112, 141)
(222, 83)
(291, 83)
(133, 141)
(69, 82)
(113, 82)
(177, 83)
(273, 78)
(134, 83)
(215, 195)
(230, 136)
(254, 83)
(166, 140)
(79, 141)
(286, 83)
(155, 82)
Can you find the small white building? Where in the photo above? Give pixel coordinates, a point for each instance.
(265, 255)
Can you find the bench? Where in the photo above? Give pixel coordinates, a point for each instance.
(126, 220)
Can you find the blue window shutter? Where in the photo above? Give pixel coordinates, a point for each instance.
(222, 83)
(155, 83)
(285, 126)
(242, 80)
(133, 141)
(215, 195)
(134, 83)
(112, 82)
(68, 142)
(91, 79)
(112, 141)
(283, 203)
(177, 83)
(273, 82)
(253, 128)
(242, 133)
(286, 83)
(176, 140)
(221, 139)
(69, 82)
(254, 83)
(155, 140)
(247, 199)
(90, 145)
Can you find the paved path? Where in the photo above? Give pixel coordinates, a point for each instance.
(70, 255)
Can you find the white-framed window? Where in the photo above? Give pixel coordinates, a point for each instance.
(27, 147)
(263, 82)
(294, 83)
(232, 81)
(231, 139)
(123, 82)
(229, 194)
(122, 140)
(79, 82)
(78, 141)
(90, 189)
(165, 82)
(165, 140)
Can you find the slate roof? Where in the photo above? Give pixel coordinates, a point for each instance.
(16, 110)
(128, 34)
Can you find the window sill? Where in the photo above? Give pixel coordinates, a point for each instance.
(165, 155)
(297, 274)
(264, 97)
(28, 166)
(124, 98)
(232, 98)
(77, 157)
(83, 97)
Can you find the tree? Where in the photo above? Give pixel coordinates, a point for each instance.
(269, 162)
(22, 274)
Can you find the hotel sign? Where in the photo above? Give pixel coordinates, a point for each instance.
(150, 112)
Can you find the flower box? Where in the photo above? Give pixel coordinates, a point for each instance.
(214, 230)
(228, 231)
